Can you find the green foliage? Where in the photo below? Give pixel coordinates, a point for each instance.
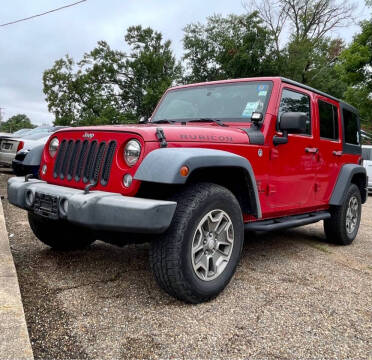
(355, 69)
(109, 86)
(314, 63)
(248, 45)
(15, 123)
(228, 47)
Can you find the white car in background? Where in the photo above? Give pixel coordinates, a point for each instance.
(367, 163)
(10, 146)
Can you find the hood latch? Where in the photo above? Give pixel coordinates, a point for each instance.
(161, 137)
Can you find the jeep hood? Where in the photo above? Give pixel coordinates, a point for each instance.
(175, 133)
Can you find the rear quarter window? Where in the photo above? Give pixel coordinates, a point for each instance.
(351, 131)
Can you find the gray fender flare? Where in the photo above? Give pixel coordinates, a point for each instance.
(34, 156)
(163, 166)
(343, 182)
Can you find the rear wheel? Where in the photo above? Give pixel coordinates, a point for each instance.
(58, 234)
(343, 226)
(197, 256)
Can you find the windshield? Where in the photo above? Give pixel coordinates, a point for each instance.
(36, 136)
(230, 102)
(38, 130)
(21, 132)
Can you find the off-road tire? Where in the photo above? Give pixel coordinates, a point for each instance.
(335, 227)
(58, 234)
(170, 255)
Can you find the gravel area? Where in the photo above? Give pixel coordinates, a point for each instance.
(293, 296)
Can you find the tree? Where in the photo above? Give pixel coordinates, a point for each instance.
(310, 20)
(309, 53)
(228, 47)
(355, 68)
(109, 86)
(16, 122)
(315, 65)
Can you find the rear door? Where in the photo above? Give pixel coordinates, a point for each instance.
(329, 144)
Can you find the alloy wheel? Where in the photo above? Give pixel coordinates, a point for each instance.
(212, 245)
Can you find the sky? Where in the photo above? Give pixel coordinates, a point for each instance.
(28, 48)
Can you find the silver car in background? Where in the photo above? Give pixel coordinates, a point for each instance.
(367, 163)
(9, 146)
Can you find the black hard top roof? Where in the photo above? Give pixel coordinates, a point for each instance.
(292, 82)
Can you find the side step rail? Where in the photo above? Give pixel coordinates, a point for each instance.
(287, 222)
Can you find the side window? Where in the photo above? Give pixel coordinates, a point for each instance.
(293, 101)
(350, 127)
(367, 153)
(328, 120)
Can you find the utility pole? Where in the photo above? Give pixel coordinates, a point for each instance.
(1, 116)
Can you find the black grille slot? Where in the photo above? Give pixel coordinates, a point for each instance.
(59, 160)
(82, 156)
(89, 161)
(74, 157)
(107, 163)
(66, 159)
(98, 162)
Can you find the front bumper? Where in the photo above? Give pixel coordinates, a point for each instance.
(96, 210)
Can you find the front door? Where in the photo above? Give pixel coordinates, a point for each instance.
(293, 165)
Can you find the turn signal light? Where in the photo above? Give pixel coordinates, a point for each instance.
(184, 171)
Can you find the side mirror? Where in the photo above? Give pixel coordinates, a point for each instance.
(143, 120)
(293, 122)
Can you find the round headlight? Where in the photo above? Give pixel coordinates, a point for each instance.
(132, 152)
(53, 146)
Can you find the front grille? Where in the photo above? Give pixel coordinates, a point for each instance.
(85, 161)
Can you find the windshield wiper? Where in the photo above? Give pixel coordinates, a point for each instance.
(164, 121)
(217, 121)
(184, 122)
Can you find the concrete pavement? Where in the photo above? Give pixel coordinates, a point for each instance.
(14, 339)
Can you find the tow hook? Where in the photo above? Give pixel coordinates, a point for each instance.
(28, 177)
(88, 187)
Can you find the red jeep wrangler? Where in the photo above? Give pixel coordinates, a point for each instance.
(215, 159)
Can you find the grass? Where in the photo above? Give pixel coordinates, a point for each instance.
(321, 247)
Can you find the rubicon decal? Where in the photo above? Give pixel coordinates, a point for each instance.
(216, 138)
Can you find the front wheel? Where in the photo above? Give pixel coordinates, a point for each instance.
(197, 256)
(58, 234)
(343, 226)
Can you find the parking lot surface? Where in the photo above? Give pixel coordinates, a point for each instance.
(293, 296)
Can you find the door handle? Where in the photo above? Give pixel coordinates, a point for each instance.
(337, 153)
(311, 150)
